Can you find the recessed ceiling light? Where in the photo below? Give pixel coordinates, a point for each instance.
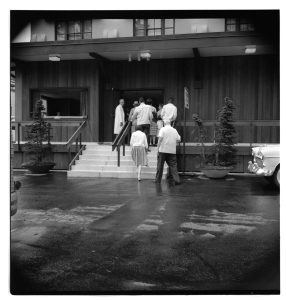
(251, 49)
(54, 57)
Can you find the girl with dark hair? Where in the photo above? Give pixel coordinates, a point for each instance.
(139, 149)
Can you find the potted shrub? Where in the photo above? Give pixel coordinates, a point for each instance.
(38, 143)
(221, 157)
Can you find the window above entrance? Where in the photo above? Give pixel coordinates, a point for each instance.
(73, 30)
(153, 27)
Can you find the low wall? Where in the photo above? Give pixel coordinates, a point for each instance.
(192, 157)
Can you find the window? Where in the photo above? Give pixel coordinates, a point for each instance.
(154, 27)
(232, 24)
(73, 30)
(60, 102)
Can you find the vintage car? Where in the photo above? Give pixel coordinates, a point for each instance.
(266, 162)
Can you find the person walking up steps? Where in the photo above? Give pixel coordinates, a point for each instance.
(168, 138)
(139, 145)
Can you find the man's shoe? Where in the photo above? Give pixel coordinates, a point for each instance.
(177, 183)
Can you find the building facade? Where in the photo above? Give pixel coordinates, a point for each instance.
(80, 66)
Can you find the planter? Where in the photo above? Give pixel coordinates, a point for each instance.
(42, 168)
(216, 172)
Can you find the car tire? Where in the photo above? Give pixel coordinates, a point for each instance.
(276, 176)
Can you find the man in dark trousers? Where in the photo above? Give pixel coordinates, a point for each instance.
(168, 138)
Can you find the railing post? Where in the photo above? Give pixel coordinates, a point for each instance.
(118, 156)
(49, 133)
(123, 148)
(70, 156)
(19, 128)
(80, 140)
(214, 127)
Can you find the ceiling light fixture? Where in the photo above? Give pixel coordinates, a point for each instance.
(54, 57)
(250, 49)
(146, 55)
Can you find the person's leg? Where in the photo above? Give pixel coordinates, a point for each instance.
(139, 172)
(160, 167)
(172, 163)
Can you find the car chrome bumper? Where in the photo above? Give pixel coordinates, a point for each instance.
(254, 168)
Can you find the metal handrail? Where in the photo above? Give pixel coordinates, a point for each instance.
(76, 156)
(76, 134)
(120, 140)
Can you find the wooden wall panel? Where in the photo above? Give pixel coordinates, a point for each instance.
(251, 81)
(64, 74)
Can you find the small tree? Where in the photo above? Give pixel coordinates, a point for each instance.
(38, 139)
(223, 151)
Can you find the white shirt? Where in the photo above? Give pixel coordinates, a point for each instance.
(169, 112)
(143, 114)
(138, 138)
(170, 137)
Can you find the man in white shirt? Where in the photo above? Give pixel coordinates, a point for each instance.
(143, 114)
(119, 117)
(168, 138)
(169, 112)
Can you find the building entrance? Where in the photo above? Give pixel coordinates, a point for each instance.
(157, 96)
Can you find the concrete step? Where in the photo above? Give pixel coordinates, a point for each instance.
(99, 162)
(110, 174)
(113, 157)
(130, 168)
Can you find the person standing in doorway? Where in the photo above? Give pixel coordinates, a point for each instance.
(159, 119)
(139, 148)
(134, 123)
(143, 115)
(168, 138)
(169, 112)
(119, 117)
(153, 125)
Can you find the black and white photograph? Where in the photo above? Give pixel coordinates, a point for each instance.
(144, 152)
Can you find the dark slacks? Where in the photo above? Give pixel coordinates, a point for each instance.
(146, 130)
(171, 161)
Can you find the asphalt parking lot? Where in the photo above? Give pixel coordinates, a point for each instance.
(113, 236)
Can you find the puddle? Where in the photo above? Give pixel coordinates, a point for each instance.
(223, 222)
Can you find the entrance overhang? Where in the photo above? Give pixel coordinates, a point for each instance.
(160, 47)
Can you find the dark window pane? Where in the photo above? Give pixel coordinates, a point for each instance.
(61, 28)
(243, 27)
(87, 35)
(231, 28)
(158, 32)
(61, 37)
(77, 27)
(87, 26)
(169, 23)
(158, 23)
(77, 36)
(169, 31)
(71, 27)
(150, 32)
(150, 23)
(140, 33)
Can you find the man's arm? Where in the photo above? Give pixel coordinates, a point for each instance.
(134, 116)
(159, 142)
(175, 114)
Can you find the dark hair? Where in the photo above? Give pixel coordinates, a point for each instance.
(138, 127)
(141, 99)
(149, 101)
(171, 100)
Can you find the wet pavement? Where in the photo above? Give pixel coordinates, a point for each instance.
(99, 235)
